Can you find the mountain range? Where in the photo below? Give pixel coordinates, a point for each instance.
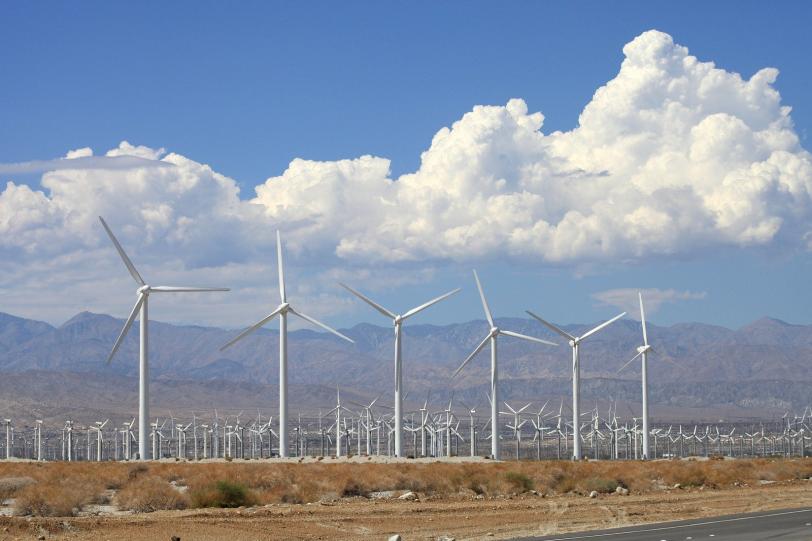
(760, 369)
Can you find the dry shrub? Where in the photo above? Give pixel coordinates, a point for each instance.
(519, 481)
(603, 485)
(687, 474)
(559, 479)
(150, 493)
(222, 494)
(136, 470)
(58, 497)
(9, 486)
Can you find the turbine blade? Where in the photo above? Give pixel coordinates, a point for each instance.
(369, 301)
(525, 337)
(628, 363)
(252, 328)
(602, 325)
(322, 325)
(282, 294)
(127, 325)
(643, 318)
(184, 289)
(484, 302)
(472, 355)
(127, 262)
(422, 307)
(550, 326)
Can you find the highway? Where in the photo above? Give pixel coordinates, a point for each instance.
(783, 525)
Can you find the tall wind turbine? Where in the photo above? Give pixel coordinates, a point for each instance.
(140, 310)
(642, 352)
(493, 334)
(282, 311)
(575, 343)
(397, 322)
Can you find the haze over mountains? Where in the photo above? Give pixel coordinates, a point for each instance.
(759, 369)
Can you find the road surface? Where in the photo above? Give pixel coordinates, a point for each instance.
(786, 525)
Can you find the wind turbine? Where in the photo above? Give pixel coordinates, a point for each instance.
(8, 438)
(282, 311)
(642, 352)
(141, 306)
(493, 334)
(397, 322)
(575, 343)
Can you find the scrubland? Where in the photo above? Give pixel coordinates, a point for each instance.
(274, 501)
(69, 489)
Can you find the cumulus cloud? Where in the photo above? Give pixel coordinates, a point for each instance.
(165, 202)
(653, 299)
(671, 156)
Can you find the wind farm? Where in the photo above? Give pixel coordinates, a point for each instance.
(238, 434)
(460, 271)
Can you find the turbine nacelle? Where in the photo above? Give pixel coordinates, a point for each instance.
(494, 331)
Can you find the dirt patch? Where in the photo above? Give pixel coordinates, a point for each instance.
(448, 506)
(505, 518)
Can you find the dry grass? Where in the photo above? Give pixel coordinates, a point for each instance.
(63, 488)
(223, 494)
(58, 497)
(9, 486)
(151, 493)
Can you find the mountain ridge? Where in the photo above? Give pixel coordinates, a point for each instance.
(689, 356)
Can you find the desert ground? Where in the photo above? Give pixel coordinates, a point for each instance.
(336, 499)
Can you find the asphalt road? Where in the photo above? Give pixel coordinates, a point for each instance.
(784, 525)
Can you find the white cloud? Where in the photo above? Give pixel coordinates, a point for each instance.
(653, 299)
(671, 156)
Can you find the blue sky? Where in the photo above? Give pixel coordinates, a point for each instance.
(247, 88)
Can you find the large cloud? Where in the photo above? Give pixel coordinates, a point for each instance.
(671, 156)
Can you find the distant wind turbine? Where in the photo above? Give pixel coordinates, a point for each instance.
(397, 322)
(282, 311)
(140, 310)
(493, 334)
(575, 342)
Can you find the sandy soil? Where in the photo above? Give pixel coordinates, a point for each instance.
(462, 518)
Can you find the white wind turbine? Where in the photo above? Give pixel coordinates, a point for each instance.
(575, 342)
(98, 426)
(282, 311)
(140, 310)
(397, 322)
(642, 352)
(493, 334)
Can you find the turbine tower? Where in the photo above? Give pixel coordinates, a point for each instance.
(141, 311)
(642, 352)
(493, 334)
(282, 311)
(397, 322)
(575, 343)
